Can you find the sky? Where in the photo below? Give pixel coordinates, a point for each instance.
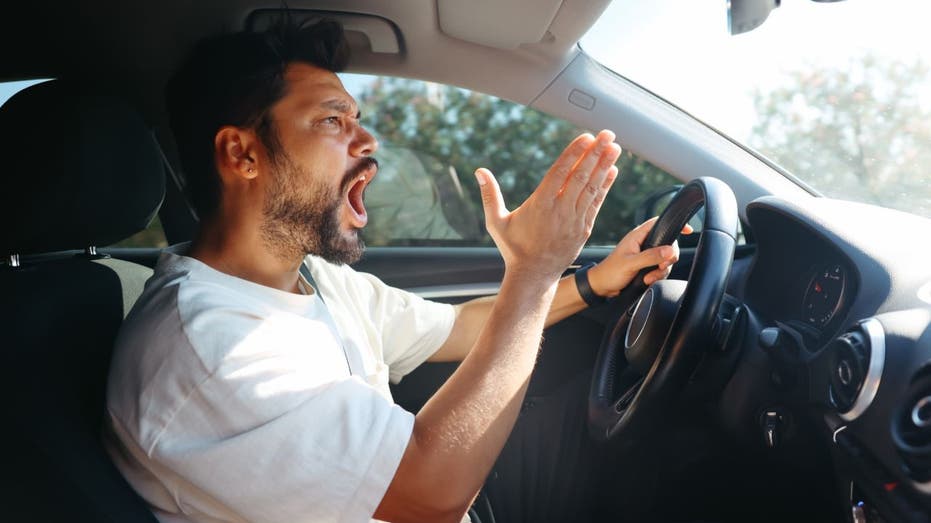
(682, 51)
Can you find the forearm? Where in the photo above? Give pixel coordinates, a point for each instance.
(567, 301)
(462, 428)
(472, 315)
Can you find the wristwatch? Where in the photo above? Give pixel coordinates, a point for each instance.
(585, 288)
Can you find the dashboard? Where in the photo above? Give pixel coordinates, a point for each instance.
(827, 287)
(839, 299)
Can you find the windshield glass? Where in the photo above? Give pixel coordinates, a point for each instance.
(838, 94)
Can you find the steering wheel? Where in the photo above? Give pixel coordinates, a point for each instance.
(665, 333)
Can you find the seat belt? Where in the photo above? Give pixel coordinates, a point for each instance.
(305, 272)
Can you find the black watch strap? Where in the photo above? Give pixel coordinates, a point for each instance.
(585, 288)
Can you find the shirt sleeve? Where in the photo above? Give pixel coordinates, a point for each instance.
(412, 329)
(268, 438)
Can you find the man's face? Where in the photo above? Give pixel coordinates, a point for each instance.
(321, 165)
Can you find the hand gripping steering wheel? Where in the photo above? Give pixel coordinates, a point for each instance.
(665, 334)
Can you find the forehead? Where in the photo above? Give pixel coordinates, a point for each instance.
(310, 87)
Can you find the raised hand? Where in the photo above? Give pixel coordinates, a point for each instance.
(546, 233)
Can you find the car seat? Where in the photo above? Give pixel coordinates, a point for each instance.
(81, 170)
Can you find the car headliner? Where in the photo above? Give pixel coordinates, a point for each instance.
(141, 43)
(132, 47)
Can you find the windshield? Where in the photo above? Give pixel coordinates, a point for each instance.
(838, 94)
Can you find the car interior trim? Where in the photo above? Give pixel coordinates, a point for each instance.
(876, 334)
(924, 292)
(650, 127)
(378, 32)
(456, 291)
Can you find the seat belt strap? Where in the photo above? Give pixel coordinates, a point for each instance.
(305, 272)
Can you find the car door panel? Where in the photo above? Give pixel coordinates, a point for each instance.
(455, 275)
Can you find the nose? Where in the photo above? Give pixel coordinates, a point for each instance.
(364, 143)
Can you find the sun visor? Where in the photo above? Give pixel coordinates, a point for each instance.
(493, 23)
(380, 34)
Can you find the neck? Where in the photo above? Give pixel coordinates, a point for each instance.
(230, 245)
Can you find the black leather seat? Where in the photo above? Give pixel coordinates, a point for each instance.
(81, 170)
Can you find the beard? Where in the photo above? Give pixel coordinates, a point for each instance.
(304, 219)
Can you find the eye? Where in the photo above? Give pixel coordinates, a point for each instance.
(331, 120)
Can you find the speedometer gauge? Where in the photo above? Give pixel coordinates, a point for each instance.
(824, 294)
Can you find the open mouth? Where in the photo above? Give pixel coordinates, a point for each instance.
(356, 197)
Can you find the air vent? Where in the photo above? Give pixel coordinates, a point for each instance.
(849, 363)
(912, 427)
(857, 358)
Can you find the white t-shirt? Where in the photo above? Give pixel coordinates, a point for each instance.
(232, 401)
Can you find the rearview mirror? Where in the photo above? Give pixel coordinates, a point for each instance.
(746, 15)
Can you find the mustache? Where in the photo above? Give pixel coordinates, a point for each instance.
(364, 165)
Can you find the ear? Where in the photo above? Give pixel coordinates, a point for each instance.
(235, 153)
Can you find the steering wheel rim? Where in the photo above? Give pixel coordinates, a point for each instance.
(613, 413)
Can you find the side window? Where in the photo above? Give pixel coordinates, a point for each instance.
(152, 236)
(434, 136)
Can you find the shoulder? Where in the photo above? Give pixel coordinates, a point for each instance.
(172, 340)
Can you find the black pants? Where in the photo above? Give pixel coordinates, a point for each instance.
(551, 470)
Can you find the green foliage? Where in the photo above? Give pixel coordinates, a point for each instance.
(856, 133)
(452, 132)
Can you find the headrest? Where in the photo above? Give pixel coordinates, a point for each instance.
(80, 169)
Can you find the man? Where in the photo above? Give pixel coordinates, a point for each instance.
(239, 391)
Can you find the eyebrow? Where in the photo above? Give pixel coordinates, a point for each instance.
(340, 105)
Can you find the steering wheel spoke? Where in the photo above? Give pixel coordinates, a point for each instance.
(628, 397)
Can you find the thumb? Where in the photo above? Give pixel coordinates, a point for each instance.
(492, 201)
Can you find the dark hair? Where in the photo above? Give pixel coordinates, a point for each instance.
(235, 79)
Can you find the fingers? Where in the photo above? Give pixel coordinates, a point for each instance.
(599, 199)
(662, 257)
(657, 275)
(589, 173)
(556, 177)
(596, 179)
(640, 232)
(492, 200)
